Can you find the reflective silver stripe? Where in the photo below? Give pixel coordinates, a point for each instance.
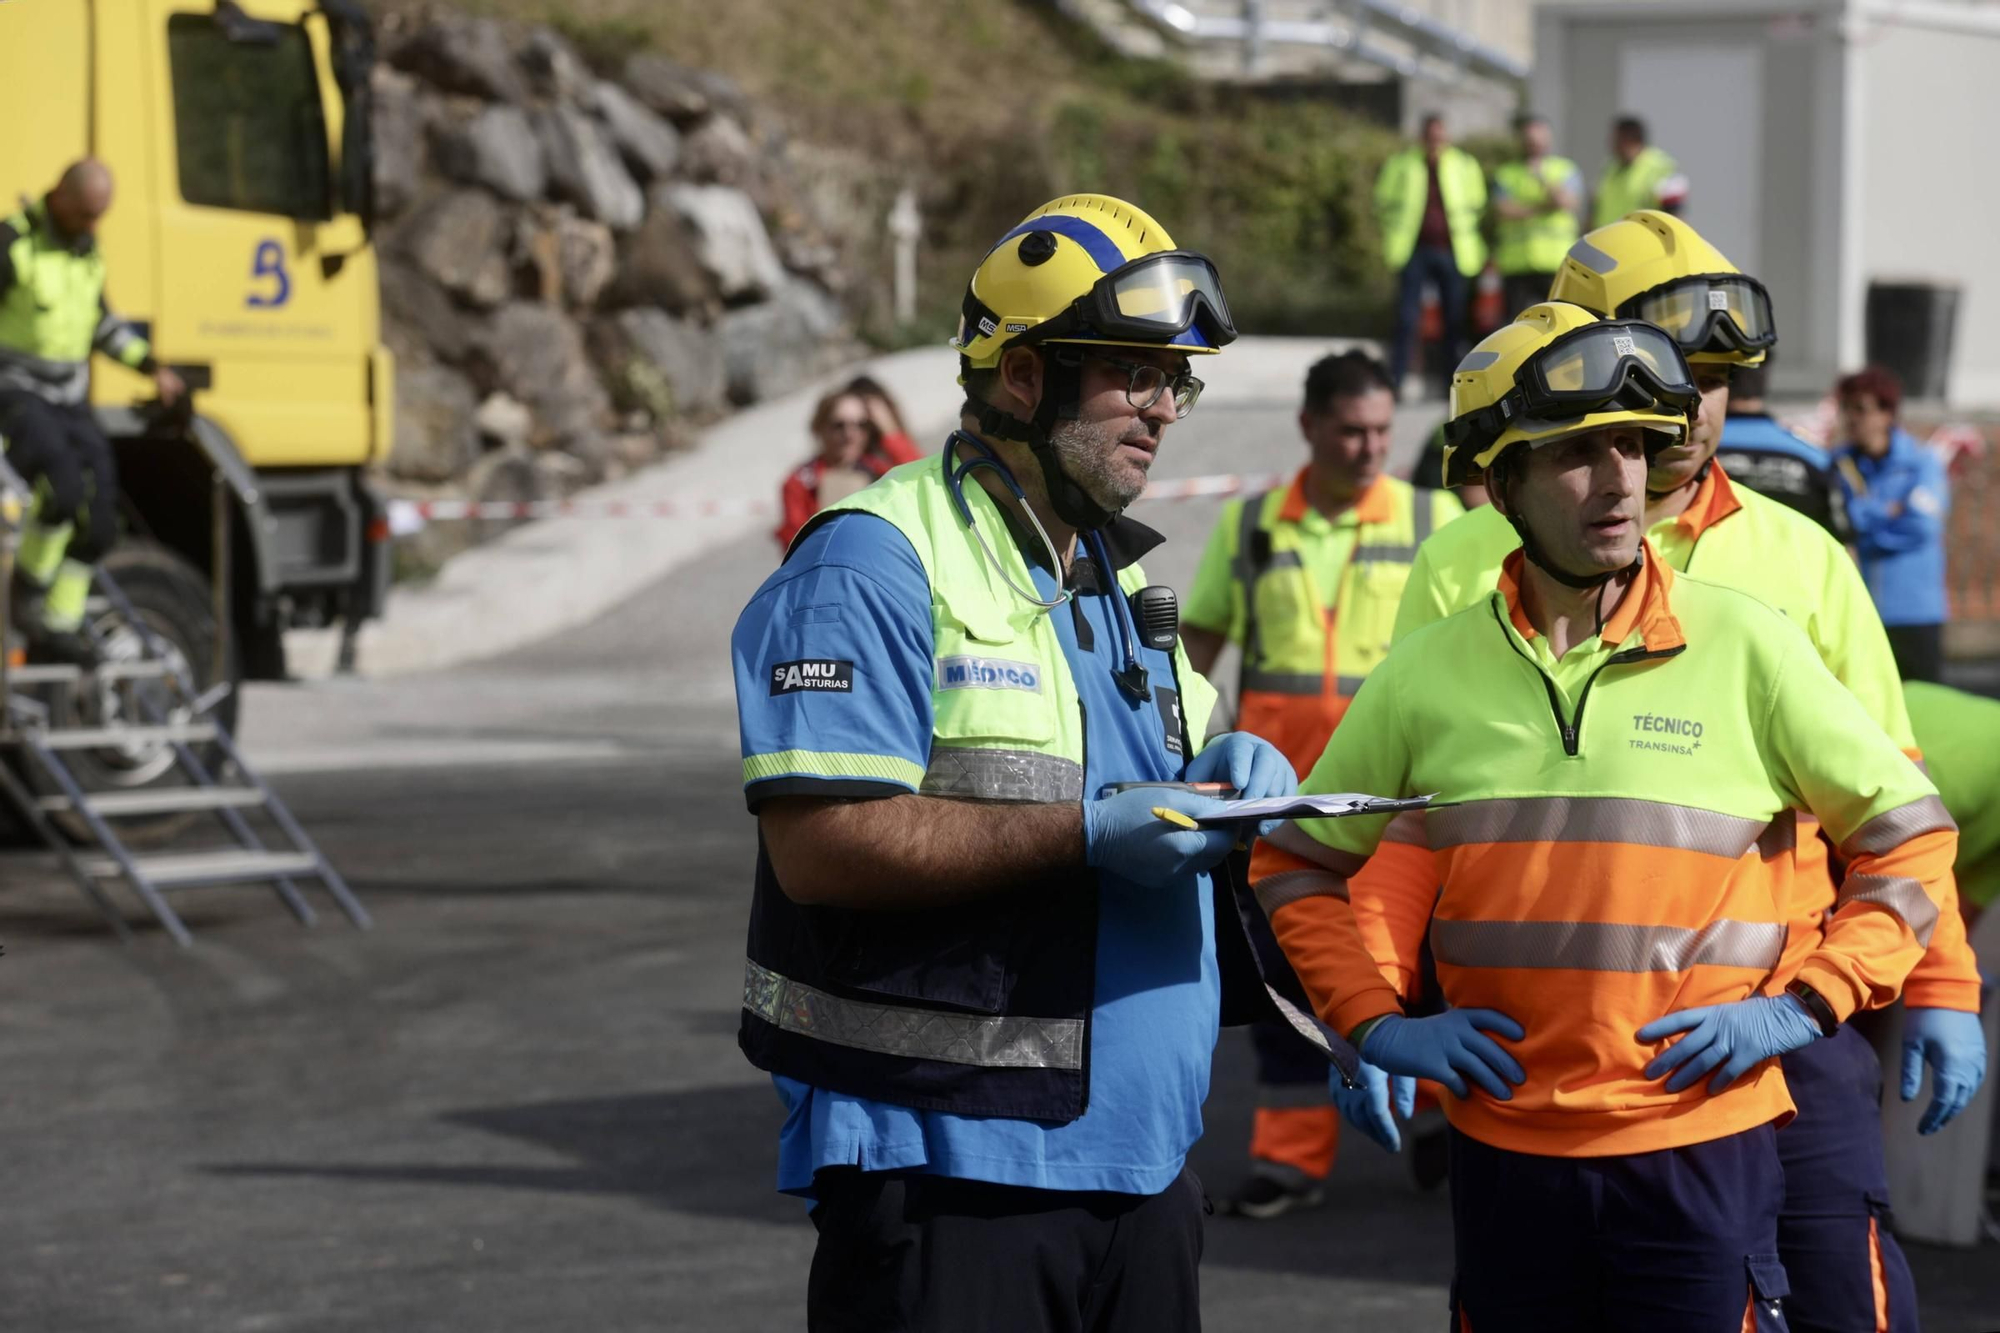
(1407, 827)
(1286, 1096)
(1892, 828)
(1903, 896)
(1780, 837)
(1586, 254)
(1288, 886)
(922, 1034)
(1294, 682)
(1595, 946)
(1421, 507)
(1385, 555)
(1289, 837)
(972, 774)
(1285, 560)
(59, 382)
(1592, 819)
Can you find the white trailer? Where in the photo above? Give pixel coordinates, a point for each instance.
(1829, 143)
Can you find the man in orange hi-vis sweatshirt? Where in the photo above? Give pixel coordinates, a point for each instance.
(1616, 753)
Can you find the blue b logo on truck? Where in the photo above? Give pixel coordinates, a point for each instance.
(269, 268)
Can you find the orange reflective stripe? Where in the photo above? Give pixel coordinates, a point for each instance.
(1596, 946)
(1552, 819)
(1892, 828)
(1289, 886)
(1900, 894)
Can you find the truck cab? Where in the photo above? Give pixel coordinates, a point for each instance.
(238, 242)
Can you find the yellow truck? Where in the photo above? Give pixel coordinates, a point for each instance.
(239, 242)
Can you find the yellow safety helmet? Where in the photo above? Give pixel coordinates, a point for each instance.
(1557, 371)
(1088, 268)
(1651, 265)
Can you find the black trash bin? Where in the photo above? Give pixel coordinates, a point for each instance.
(1909, 329)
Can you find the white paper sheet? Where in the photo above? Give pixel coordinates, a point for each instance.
(1332, 805)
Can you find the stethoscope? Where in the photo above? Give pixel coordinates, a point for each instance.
(956, 469)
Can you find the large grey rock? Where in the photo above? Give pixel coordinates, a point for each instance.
(496, 148)
(730, 239)
(650, 144)
(461, 55)
(554, 67)
(720, 152)
(659, 265)
(688, 356)
(585, 169)
(418, 318)
(399, 120)
(435, 438)
(775, 347)
(681, 94)
(535, 353)
(460, 240)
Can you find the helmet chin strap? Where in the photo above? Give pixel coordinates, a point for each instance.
(1062, 385)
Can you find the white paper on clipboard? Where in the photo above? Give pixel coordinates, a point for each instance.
(1331, 805)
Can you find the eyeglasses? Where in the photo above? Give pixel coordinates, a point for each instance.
(1147, 382)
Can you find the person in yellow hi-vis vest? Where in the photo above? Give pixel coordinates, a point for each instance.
(1305, 580)
(1638, 176)
(1536, 200)
(1428, 200)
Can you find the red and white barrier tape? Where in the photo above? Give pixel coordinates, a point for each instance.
(408, 516)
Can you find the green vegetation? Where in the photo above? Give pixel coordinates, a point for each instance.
(994, 107)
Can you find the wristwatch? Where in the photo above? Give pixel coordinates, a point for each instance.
(1816, 1005)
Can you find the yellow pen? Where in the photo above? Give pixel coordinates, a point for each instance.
(1174, 817)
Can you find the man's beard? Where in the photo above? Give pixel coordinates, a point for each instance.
(1088, 452)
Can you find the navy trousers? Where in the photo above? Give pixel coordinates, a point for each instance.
(1834, 1228)
(1684, 1240)
(1436, 264)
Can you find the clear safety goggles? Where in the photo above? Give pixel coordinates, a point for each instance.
(1613, 365)
(1717, 312)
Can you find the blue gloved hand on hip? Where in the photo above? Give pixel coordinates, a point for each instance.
(1953, 1044)
(1251, 764)
(1731, 1038)
(1123, 835)
(1451, 1048)
(1375, 1106)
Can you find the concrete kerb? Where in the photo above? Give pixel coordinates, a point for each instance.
(545, 577)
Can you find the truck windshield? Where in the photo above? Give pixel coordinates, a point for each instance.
(248, 126)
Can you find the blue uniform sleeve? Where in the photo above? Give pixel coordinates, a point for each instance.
(833, 668)
(1905, 515)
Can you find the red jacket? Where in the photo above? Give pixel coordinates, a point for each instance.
(798, 499)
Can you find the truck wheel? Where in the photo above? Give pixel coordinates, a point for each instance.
(173, 599)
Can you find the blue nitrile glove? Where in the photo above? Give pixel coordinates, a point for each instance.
(1122, 834)
(1953, 1044)
(1736, 1036)
(1367, 1107)
(1251, 764)
(1447, 1046)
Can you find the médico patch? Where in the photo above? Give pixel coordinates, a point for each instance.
(988, 673)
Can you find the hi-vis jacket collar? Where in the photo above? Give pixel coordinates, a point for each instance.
(1376, 505)
(1645, 607)
(1714, 500)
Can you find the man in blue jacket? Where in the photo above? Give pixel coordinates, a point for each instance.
(1756, 451)
(1897, 499)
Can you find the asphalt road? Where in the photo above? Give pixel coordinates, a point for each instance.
(516, 1104)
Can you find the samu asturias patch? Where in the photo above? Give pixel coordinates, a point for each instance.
(822, 675)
